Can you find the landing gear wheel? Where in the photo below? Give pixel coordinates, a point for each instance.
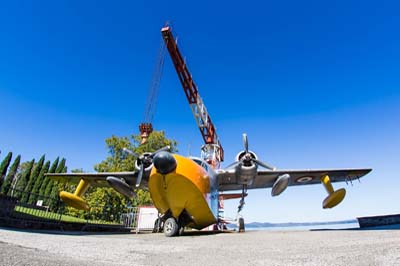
(171, 227)
(241, 225)
(157, 226)
(181, 230)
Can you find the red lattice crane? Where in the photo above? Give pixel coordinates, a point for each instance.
(212, 151)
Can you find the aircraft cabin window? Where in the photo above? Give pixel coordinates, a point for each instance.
(201, 163)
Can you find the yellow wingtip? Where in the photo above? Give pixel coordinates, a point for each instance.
(74, 201)
(334, 199)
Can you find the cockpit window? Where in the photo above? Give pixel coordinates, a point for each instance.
(201, 163)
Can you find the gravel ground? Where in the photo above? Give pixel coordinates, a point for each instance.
(331, 247)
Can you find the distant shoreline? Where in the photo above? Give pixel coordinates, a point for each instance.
(290, 224)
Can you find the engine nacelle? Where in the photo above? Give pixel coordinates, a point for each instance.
(148, 168)
(241, 154)
(280, 184)
(120, 186)
(247, 169)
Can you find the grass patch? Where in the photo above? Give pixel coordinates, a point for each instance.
(43, 214)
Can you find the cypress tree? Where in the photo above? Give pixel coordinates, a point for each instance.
(4, 166)
(46, 180)
(23, 178)
(32, 179)
(38, 183)
(61, 166)
(54, 190)
(51, 183)
(54, 197)
(10, 176)
(54, 165)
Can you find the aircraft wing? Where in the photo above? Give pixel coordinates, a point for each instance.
(97, 179)
(229, 180)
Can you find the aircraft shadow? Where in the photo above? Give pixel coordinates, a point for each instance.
(204, 233)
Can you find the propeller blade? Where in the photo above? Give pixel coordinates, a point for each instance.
(166, 148)
(130, 152)
(264, 165)
(233, 165)
(245, 143)
(140, 175)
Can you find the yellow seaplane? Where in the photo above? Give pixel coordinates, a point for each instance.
(186, 190)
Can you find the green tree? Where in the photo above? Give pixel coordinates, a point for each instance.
(4, 166)
(118, 161)
(56, 187)
(105, 204)
(46, 180)
(61, 166)
(10, 176)
(51, 183)
(32, 179)
(23, 178)
(38, 183)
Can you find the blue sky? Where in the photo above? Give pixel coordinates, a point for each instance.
(314, 85)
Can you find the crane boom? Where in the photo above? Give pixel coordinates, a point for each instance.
(212, 151)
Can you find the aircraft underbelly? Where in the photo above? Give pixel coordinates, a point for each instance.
(187, 188)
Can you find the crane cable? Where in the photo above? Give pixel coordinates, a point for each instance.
(154, 86)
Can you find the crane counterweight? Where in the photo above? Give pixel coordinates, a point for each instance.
(145, 130)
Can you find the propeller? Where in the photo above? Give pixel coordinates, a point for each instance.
(130, 152)
(248, 157)
(245, 143)
(144, 160)
(267, 166)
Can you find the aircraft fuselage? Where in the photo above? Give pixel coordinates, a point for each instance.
(191, 189)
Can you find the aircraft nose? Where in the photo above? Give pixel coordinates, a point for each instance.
(164, 162)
